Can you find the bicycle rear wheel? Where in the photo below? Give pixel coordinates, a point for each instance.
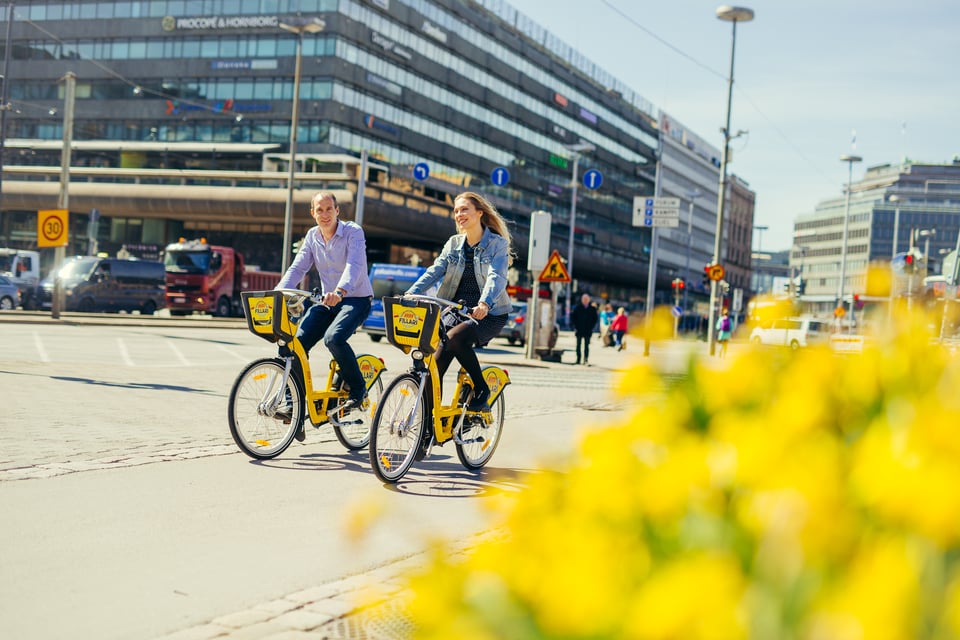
(398, 428)
(353, 431)
(258, 433)
(481, 439)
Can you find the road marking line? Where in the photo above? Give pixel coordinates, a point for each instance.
(39, 344)
(183, 360)
(124, 353)
(233, 354)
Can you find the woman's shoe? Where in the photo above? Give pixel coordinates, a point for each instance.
(479, 401)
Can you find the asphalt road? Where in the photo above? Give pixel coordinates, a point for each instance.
(130, 513)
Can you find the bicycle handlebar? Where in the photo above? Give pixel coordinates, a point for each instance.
(458, 307)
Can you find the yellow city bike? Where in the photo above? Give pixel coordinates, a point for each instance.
(411, 417)
(272, 396)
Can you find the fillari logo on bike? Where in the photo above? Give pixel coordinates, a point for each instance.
(366, 370)
(261, 311)
(493, 381)
(410, 319)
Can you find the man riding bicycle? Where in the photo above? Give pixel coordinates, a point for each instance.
(338, 250)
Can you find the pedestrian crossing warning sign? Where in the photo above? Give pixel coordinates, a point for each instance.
(555, 270)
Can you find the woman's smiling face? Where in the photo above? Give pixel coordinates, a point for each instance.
(466, 214)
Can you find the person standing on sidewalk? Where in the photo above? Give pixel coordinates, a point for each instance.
(584, 318)
(724, 331)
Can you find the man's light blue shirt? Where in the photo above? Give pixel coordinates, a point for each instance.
(340, 261)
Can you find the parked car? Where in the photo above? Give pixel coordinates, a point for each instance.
(515, 331)
(9, 294)
(93, 284)
(791, 332)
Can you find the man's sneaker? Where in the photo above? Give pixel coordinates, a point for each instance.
(479, 401)
(351, 404)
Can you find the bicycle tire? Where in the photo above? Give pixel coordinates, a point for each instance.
(356, 436)
(258, 435)
(399, 427)
(474, 455)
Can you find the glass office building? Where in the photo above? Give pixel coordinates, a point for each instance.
(480, 96)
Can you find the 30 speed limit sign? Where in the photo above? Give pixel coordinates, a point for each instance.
(52, 227)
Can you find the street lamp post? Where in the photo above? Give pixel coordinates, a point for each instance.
(298, 27)
(734, 15)
(895, 199)
(577, 149)
(691, 196)
(849, 159)
(926, 233)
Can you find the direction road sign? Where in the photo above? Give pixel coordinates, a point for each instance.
(592, 179)
(660, 222)
(673, 203)
(661, 211)
(421, 171)
(500, 176)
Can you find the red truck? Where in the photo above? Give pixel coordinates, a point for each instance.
(209, 279)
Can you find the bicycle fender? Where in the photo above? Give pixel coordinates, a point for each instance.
(370, 368)
(496, 378)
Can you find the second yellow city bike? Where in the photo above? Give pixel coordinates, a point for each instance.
(412, 417)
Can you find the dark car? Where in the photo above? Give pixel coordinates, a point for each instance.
(515, 331)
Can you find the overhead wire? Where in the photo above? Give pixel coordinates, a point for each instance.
(790, 143)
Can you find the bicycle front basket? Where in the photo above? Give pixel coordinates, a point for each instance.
(411, 324)
(266, 313)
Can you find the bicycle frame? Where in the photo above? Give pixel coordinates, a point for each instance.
(268, 316)
(444, 416)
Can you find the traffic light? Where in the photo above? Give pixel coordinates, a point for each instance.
(909, 263)
(678, 285)
(706, 276)
(802, 287)
(857, 302)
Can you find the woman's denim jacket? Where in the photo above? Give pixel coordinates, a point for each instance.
(490, 259)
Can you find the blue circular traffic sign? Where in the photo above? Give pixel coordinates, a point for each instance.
(421, 171)
(592, 179)
(500, 176)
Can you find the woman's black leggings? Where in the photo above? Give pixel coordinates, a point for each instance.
(460, 342)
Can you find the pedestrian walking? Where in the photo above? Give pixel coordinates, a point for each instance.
(724, 331)
(606, 317)
(619, 329)
(584, 318)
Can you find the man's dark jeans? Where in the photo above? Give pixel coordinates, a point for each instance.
(585, 338)
(335, 325)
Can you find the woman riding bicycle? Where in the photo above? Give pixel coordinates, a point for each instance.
(472, 268)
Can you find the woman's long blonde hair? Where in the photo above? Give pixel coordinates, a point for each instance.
(490, 218)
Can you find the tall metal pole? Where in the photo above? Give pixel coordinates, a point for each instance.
(573, 224)
(361, 188)
(734, 15)
(294, 123)
(896, 223)
(692, 195)
(652, 265)
(849, 159)
(4, 97)
(63, 200)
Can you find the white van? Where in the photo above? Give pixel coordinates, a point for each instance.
(791, 332)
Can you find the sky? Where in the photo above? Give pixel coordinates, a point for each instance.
(813, 80)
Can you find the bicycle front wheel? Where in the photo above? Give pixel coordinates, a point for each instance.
(354, 431)
(398, 428)
(480, 439)
(260, 432)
